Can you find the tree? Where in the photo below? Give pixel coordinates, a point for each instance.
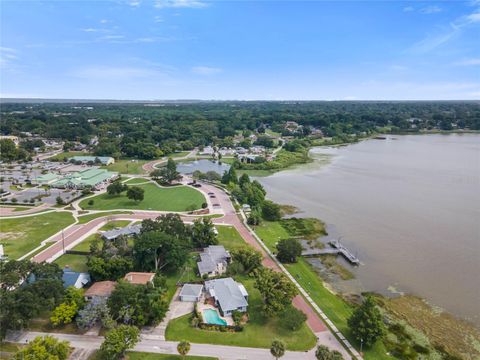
(116, 188)
(64, 313)
(276, 289)
(248, 257)
(8, 150)
(135, 193)
(271, 211)
(167, 174)
(230, 176)
(203, 233)
(118, 341)
(277, 349)
(324, 353)
(366, 323)
(156, 174)
(95, 311)
(59, 200)
(138, 304)
(292, 318)
(111, 268)
(44, 348)
(183, 348)
(156, 250)
(289, 250)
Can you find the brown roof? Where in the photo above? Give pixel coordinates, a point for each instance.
(101, 288)
(140, 278)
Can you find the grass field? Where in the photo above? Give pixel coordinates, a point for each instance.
(114, 224)
(75, 262)
(229, 237)
(68, 154)
(332, 305)
(22, 235)
(127, 166)
(85, 244)
(177, 198)
(260, 331)
(86, 218)
(151, 356)
(136, 181)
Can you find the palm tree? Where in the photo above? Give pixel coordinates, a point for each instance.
(183, 348)
(277, 349)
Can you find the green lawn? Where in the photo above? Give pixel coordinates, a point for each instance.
(114, 224)
(332, 305)
(152, 356)
(85, 244)
(186, 274)
(75, 262)
(176, 198)
(86, 218)
(136, 181)
(229, 237)
(22, 235)
(271, 233)
(127, 166)
(260, 331)
(68, 154)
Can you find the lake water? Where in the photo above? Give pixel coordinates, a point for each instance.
(408, 206)
(188, 167)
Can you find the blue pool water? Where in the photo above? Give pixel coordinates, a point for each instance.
(211, 317)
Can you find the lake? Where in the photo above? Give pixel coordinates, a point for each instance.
(409, 206)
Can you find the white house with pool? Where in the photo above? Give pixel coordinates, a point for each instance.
(228, 295)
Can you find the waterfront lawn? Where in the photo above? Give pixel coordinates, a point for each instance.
(74, 262)
(229, 237)
(175, 198)
(337, 310)
(87, 218)
(22, 235)
(260, 331)
(152, 356)
(127, 166)
(115, 224)
(271, 233)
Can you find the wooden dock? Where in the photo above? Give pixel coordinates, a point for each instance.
(336, 249)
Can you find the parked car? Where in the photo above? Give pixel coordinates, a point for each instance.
(197, 185)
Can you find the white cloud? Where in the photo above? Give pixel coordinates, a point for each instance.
(180, 4)
(408, 9)
(453, 29)
(7, 56)
(114, 73)
(134, 3)
(433, 9)
(104, 21)
(468, 62)
(205, 70)
(158, 19)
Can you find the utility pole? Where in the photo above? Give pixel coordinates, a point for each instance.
(63, 242)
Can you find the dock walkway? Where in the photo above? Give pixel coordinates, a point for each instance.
(336, 249)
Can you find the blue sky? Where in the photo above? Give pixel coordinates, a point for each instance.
(272, 50)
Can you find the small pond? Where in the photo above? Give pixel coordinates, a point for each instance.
(188, 167)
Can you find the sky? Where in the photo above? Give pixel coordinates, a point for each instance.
(240, 50)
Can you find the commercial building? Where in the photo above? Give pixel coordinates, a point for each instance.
(104, 160)
(94, 178)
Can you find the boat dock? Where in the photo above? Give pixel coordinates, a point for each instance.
(336, 249)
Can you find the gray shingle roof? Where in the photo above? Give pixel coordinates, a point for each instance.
(191, 290)
(229, 294)
(211, 256)
(127, 230)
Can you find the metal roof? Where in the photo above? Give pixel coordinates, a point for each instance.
(127, 230)
(228, 293)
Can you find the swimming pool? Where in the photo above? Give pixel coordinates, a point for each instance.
(211, 317)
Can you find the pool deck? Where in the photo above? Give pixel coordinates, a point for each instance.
(201, 306)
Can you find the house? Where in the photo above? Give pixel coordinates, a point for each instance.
(125, 231)
(191, 292)
(213, 260)
(228, 294)
(76, 279)
(100, 290)
(139, 278)
(104, 160)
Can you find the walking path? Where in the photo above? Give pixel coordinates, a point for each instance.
(152, 165)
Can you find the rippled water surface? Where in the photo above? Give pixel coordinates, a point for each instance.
(409, 206)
